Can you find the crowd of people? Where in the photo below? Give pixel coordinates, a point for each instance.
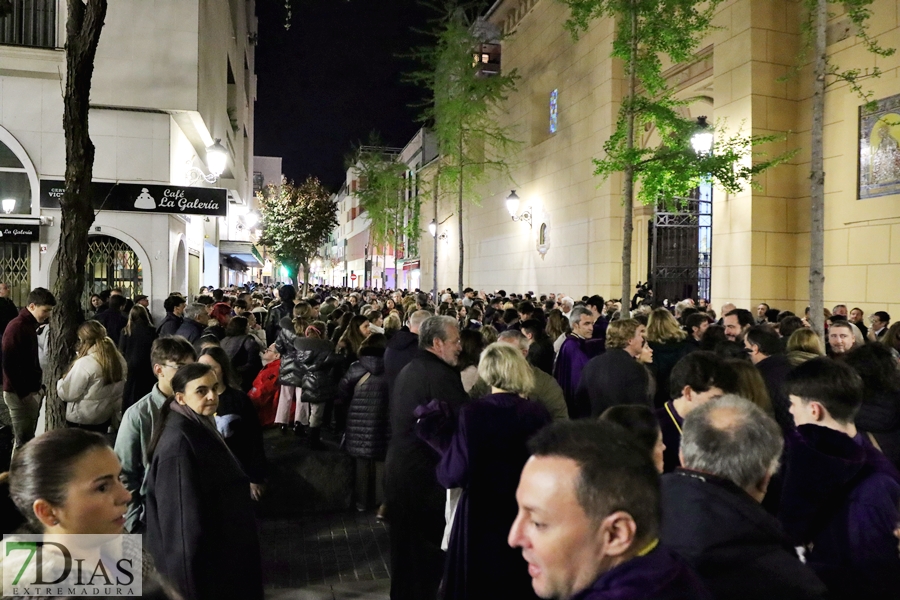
(517, 445)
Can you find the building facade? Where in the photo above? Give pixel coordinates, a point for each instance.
(566, 106)
(171, 78)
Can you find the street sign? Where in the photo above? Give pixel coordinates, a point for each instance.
(353, 277)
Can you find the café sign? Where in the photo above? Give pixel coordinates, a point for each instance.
(145, 197)
(19, 233)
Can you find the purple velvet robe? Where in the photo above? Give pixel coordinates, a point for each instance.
(570, 363)
(485, 457)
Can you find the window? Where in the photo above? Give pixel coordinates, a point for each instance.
(14, 183)
(29, 23)
(554, 95)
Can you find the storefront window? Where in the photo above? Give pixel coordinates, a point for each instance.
(14, 183)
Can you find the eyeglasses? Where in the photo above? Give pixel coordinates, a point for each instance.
(175, 366)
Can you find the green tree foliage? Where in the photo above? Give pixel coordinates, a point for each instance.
(646, 32)
(381, 196)
(474, 147)
(296, 220)
(825, 74)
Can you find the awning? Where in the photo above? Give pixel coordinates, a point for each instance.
(242, 251)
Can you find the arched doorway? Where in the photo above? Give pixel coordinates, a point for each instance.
(18, 187)
(111, 263)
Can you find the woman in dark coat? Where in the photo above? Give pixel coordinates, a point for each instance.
(669, 344)
(134, 344)
(316, 362)
(243, 351)
(289, 373)
(364, 389)
(879, 416)
(201, 529)
(485, 458)
(237, 421)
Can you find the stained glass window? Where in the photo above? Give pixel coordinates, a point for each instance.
(553, 110)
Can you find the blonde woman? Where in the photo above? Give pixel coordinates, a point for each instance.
(485, 458)
(804, 345)
(669, 343)
(94, 384)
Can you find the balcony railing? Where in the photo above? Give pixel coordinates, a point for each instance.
(30, 23)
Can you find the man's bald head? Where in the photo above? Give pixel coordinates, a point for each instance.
(416, 320)
(515, 338)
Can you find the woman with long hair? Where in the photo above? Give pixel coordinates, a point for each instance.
(357, 331)
(135, 344)
(236, 419)
(201, 526)
(93, 386)
(472, 345)
(751, 385)
(557, 328)
(669, 343)
(485, 458)
(804, 345)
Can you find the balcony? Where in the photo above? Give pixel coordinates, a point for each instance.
(32, 23)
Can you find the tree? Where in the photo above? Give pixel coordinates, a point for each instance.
(647, 30)
(463, 109)
(814, 33)
(83, 28)
(381, 196)
(296, 220)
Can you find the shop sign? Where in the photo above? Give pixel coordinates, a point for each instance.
(19, 233)
(145, 197)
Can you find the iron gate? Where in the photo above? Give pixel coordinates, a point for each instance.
(15, 260)
(111, 263)
(681, 248)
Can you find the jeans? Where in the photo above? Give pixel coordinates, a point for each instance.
(23, 415)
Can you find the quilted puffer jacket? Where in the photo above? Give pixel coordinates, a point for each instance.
(290, 373)
(317, 363)
(368, 419)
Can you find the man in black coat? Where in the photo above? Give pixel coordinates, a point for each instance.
(288, 294)
(764, 347)
(615, 377)
(711, 508)
(174, 306)
(403, 347)
(196, 318)
(414, 497)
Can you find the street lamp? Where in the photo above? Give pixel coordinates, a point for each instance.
(9, 205)
(702, 140)
(251, 219)
(216, 157)
(512, 206)
(432, 228)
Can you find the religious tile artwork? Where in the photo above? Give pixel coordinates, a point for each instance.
(879, 149)
(554, 95)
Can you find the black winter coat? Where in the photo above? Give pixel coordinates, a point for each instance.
(114, 322)
(774, 371)
(274, 323)
(611, 379)
(136, 350)
(401, 349)
(316, 361)
(168, 326)
(542, 355)
(243, 350)
(191, 330)
(368, 421)
(738, 549)
(290, 373)
(665, 357)
(245, 439)
(201, 529)
(410, 477)
(880, 416)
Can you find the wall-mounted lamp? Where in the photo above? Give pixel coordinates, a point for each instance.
(216, 157)
(702, 140)
(9, 205)
(512, 205)
(251, 219)
(432, 228)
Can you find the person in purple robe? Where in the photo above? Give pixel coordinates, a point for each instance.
(589, 519)
(572, 358)
(484, 458)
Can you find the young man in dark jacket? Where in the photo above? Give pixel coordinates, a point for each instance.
(711, 512)
(21, 370)
(402, 348)
(841, 497)
(174, 306)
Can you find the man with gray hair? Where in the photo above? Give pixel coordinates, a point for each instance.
(414, 497)
(711, 506)
(546, 391)
(573, 356)
(566, 305)
(195, 320)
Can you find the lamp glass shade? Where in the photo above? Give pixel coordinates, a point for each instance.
(251, 219)
(512, 203)
(216, 156)
(432, 228)
(9, 205)
(702, 142)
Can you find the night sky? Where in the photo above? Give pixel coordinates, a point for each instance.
(333, 78)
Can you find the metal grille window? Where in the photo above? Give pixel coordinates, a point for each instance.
(681, 248)
(111, 263)
(14, 268)
(30, 23)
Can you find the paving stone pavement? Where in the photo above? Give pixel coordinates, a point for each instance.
(326, 556)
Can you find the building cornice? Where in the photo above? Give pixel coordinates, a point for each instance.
(507, 14)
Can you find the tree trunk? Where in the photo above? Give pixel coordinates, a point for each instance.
(434, 239)
(459, 207)
(83, 27)
(817, 178)
(305, 293)
(628, 184)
